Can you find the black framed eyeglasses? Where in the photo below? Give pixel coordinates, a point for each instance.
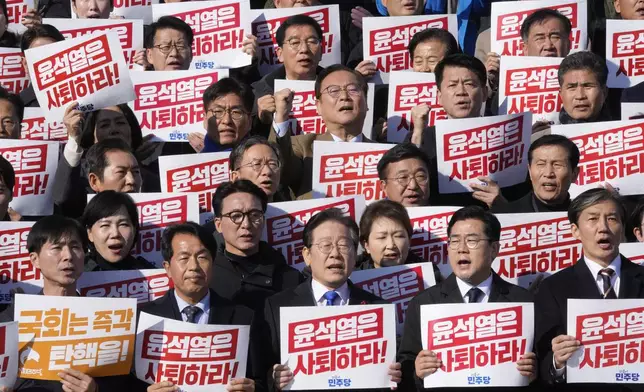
(237, 217)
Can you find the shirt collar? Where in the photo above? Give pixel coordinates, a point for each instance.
(357, 139)
(204, 304)
(319, 290)
(595, 267)
(485, 286)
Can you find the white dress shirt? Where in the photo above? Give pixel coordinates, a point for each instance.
(204, 305)
(594, 267)
(485, 287)
(72, 152)
(319, 290)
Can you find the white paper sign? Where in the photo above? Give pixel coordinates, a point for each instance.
(146, 285)
(16, 269)
(8, 354)
(624, 52)
(610, 332)
(13, 76)
(360, 340)
(479, 344)
(15, 9)
(632, 110)
(34, 127)
(634, 251)
(90, 70)
(171, 350)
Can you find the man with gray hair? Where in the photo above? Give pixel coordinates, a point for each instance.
(597, 219)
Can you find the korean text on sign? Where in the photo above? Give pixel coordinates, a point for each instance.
(144, 285)
(625, 52)
(16, 268)
(8, 354)
(12, 74)
(429, 240)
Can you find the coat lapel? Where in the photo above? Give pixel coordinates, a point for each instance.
(450, 292)
(303, 295)
(586, 286)
(499, 289)
(221, 312)
(631, 280)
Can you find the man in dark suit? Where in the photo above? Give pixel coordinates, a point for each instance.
(187, 251)
(330, 250)
(597, 219)
(473, 244)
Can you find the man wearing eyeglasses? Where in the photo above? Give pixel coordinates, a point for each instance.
(473, 238)
(404, 175)
(330, 250)
(11, 113)
(247, 270)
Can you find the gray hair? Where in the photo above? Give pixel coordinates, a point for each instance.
(592, 197)
(238, 152)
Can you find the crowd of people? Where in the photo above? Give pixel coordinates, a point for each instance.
(224, 274)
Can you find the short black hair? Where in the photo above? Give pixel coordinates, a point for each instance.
(335, 68)
(384, 209)
(39, 31)
(461, 60)
(492, 226)
(592, 197)
(107, 203)
(584, 61)
(53, 229)
(401, 152)
(637, 215)
(89, 127)
(191, 228)
(238, 152)
(240, 186)
(297, 20)
(96, 157)
(15, 101)
(556, 140)
(331, 214)
(540, 16)
(7, 173)
(434, 34)
(226, 86)
(168, 22)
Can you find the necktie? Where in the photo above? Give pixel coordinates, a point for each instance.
(474, 295)
(330, 296)
(191, 313)
(606, 274)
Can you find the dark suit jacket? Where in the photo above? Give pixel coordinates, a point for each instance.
(633, 94)
(551, 311)
(443, 293)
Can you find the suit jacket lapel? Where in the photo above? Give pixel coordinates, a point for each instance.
(499, 289)
(303, 295)
(221, 312)
(325, 137)
(449, 290)
(168, 307)
(586, 286)
(630, 285)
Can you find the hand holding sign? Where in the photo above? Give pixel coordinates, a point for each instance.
(427, 363)
(420, 118)
(563, 346)
(241, 385)
(283, 105)
(367, 68)
(487, 191)
(493, 65)
(163, 386)
(31, 18)
(282, 376)
(527, 366)
(75, 381)
(73, 120)
(249, 45)
(266, 108)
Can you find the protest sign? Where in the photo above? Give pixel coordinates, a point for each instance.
(8, 354)
(130, 32)
(285, 222)
(304, 116)
(156, 212)
(338, 347)
(406, 91)
(90, 70)
(199, 173)
(386, 40)
(16, 268)
(530, 84)
(632, 111)
(429, 240)
(194, 357)
(92, 335)
(344, 169)
(533, 244)
(34, 127)
(128, 9)
(610, 151)
(479, 344)
(219, 29)
(496, 147)
(34, 163)
(634, 251)
(610, 333)
(624, 52)
(15, 9)
(396, 284)
(13, 76)
(507, 18)
(145, 285)
(169, 104)
(267, 21)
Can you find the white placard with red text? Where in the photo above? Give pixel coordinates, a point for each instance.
(610, 151)
(533, 244)
(90, 70)
(130, 32)
(8, 354)
(16, 268)
(146, 285)
(15, 9)
(407, 90)
(169, 104)
(634, 251)
(345, 169)
(429, 240)
(338, 347)
(530, 84)
(479, 344)
(496, 147)
(610, 332)
(156, 212)
(13, 76)
(507, 18)
(632, 110)
(34, 163)
(219, 29)
(34, 127)
(386, 40)
(198, 173)
(397, 285)
(194, 357)
(304, 111)
(285, 222)
(624, 52)
(267, 21)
